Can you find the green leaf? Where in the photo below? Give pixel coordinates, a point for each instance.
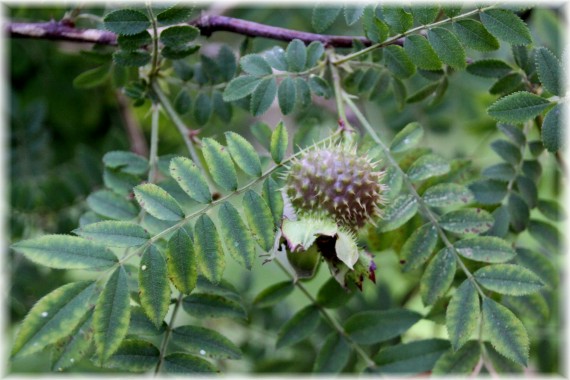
(154, 288)
(208, 249)
(528, 190)
(53, 317)
(333, 355)
(240, 87)
(134, 42)
(519, 212)
(324, 16)
(508, 279)
(507, 151)
(500, 363)
(410, 358)
(92, 78)
(115, 234)
(236, 236)
(533, 307)
(286, 95)
(447, 194)
(127, 162)
(398, 62)
(303, 92)
(551, 209)
(427, 166)
(407, 138)
(276, 58)
(425, 14)
(259, 219)
(157, 202)
(488, 191)
(174, 15)
(451, 10)
(141, 326)
(505, 331)
(299, 327)
(447, 47)
(263, 96)
(375, 29)
(184, 363)
(438, 276)
(553, 129)
(255, 64)
(506, 26)
(514, 133)
(400, 92)
(320, 86)
(423, 93)
(532, 168)
(111, 205)
(179, 35)
(489, 68)
(202, 108)
(70, 350)
(190, 179)
(126, 22)
(419, 246)
(331, 295)
(462, 361)
(397, 18)
(371, 327)
(182, 102)
(501, 226)
(112, 315)
(226, 61)
(353, 13)
(467, 221)
(296, 54)
(487, 249)
(279, 142)
(135, 58)
(545, 233)
(315, 51)
(244, 154)
(549, 70)
(205, 342)
(421, 53)
(66, 252)
(501, 172)
(508, 84)
(274, 294)
(474, 35)
(202, 305)
(181, 261)
(219, 164)
(271, 193)
(462, 315)
(134, 355)
(398, 212)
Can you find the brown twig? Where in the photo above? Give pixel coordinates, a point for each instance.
(207, 24)
(135, 134)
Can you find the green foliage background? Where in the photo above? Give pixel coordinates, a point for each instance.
(59, 134)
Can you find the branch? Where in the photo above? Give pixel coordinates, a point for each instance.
(207, 24)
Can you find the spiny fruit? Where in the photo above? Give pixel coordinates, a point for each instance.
(338, 182)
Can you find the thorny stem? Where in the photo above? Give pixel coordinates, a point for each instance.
(425, 209)
(338, 93)
(331, 321)
(153, 156)
(394, 39)
(185, 132)
(154, 67)
(166, 338)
